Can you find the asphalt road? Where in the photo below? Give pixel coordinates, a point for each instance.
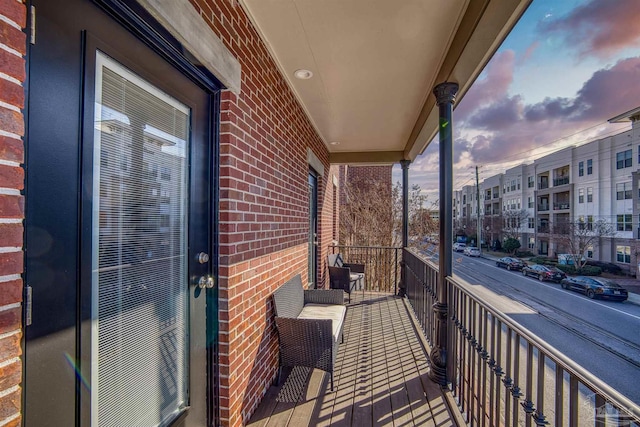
(601, 336)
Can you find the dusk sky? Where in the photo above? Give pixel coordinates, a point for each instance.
(566, 68)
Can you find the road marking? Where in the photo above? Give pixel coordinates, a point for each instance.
(574, 294)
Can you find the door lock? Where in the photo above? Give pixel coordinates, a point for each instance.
(206, 282)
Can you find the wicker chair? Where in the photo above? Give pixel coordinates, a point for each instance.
(345, 276)
(309, 324)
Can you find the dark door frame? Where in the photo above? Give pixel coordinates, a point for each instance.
(143, 26)
(313, 228)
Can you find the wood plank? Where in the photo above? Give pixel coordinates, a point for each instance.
(381, 376)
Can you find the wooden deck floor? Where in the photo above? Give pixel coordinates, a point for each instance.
(380, 379)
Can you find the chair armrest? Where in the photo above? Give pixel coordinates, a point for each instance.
(355, 268)
(324, 296)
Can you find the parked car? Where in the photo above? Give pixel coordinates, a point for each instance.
(544, 272)
(471, 251)
(596, 287)
(511, 263)
(459, 247)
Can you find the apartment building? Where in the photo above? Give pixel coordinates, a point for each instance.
(597, 181)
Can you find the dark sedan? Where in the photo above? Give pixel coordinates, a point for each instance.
(595, 287)
(511, 263)
(543, 272)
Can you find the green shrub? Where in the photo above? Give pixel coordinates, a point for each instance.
(524, 254)
(543, 260)
(587, 270)
(511, 245)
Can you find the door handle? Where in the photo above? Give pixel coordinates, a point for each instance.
(206, 282)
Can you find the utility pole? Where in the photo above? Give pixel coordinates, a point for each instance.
(479, 232)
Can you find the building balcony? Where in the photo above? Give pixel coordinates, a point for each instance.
(560, 181)
(544, 229)
(543, 208)
(543, 185)
(385, 374)
(560, 206)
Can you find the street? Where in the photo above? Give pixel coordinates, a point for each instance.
(601, 336)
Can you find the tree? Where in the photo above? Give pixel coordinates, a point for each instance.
(576, 236)
(511, 245)
(512, 222)
(372, 215)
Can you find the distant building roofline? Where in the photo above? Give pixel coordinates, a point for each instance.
(629, 116)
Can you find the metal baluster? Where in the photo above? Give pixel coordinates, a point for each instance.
(492, 366)
(573, 401)
(527, 404)
(508, 382)
(515, 390)
(539, 415)
(499, 370)
(484, 356)
(559, 395)
(600, 411)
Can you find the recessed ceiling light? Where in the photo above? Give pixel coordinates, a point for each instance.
(303, 74)
(334, 142)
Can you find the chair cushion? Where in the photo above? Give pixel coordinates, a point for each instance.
(335, 313)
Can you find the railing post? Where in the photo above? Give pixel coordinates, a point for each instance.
(445, 97)
(402, 289)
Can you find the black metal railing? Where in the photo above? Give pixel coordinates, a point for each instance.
(560, 181)
(382, 265)
(561, 206)
(542, 208)
(502, 374)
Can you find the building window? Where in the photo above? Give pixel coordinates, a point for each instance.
(581, 223)
(623, 191)
(589, 251)
(531, 222)
(518, 183)
(623, 159)
(581, 169)
(623, 222)
(532, 242)
(590, 222)
(530, 182)
(589, 166)
(589, 194)
(623, 254)
(581, 195)
(530, 203)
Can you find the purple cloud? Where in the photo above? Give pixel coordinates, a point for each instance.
(493, 86)
(499, 115)
(599, 27)
(607, 93)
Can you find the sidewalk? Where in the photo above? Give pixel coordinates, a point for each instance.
(631, 284)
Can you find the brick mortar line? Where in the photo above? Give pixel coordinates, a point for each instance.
(10, 249)
(10, 22)
(9, 78)
(10, 163)
(10, 135)
(10, 107)
(9, 362)
(10, 390)
(10, 278)
(10, 50)
(10, 307)
(9, 419)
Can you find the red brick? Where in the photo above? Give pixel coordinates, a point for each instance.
(11, 177)
(10, 347)
(10, 292)
(11, 149)
(10, 375)
(10, 404)
(11, 206)
(11, 93)
(13, 37)
(10, 320)
(11, 121)
(12, 235)
(12, 65)
(11, 263)
(15, 11)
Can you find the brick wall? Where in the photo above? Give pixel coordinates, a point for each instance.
(264, 208)
(12, 77)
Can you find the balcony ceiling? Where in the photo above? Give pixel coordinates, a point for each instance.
(375, 63)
